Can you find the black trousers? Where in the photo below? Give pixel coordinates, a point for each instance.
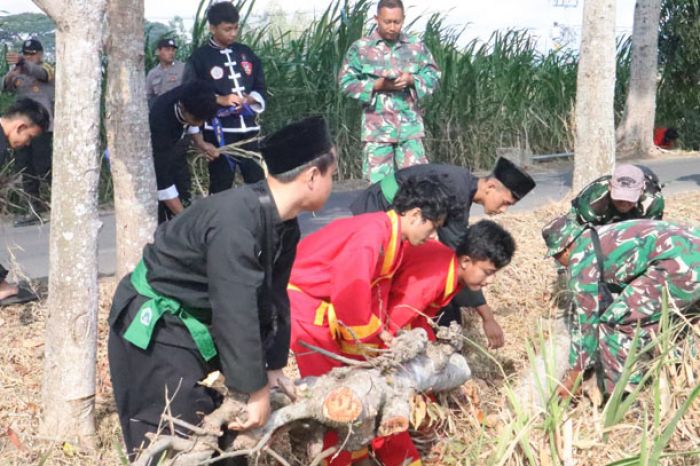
(34, 163)
(453, 311)
(183, 179)
(223, 169)
(140, 377)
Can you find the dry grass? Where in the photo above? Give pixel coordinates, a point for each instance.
(468, 433)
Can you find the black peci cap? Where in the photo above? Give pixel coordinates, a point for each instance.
(513, 177)
(296, 144)
(32, 46)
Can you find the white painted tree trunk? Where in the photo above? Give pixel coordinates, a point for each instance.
(595, 93)
(70, 342)
(128, 135)
(635, 132)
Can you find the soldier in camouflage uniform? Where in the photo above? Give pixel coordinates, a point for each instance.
(630, 192)
(389, 72)
(639, 259)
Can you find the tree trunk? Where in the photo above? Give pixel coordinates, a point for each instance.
(595, 93)
(635, 133)
(70, 342)
(128, 134)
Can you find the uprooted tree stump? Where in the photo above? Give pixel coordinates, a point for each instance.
(361, 401)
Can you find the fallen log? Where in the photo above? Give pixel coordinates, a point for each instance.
(360, 401)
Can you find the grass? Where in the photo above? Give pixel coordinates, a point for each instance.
(489, 422)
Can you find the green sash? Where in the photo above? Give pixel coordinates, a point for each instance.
(141, 328)
(389, 187)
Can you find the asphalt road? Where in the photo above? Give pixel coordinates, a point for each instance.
(28, 246)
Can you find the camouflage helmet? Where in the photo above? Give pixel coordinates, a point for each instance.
(561, 232)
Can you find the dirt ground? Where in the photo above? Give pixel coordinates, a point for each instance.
(465, 430)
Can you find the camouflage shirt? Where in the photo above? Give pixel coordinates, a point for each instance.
(630, 249)
(593, 205)
(389, 116)
(35, 81)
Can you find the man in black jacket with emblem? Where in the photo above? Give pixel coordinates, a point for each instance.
(237, 74)
(211, 292)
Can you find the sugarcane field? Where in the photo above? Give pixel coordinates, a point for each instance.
(349, 232)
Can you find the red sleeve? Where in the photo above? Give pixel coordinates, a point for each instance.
(419, 287)
(410, 301)
(352, 273)
(659, 134)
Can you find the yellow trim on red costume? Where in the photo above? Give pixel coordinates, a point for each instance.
(354, 456)
(359, 454)
(326, 312)
(358, 332)
(357, 349)
(451, 282)
(393, 247)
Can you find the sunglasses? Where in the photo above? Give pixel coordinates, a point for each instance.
(30, 52)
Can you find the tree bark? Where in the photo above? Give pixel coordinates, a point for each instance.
(595, 93)
(635, 132)
(128, 134)
(71, 337)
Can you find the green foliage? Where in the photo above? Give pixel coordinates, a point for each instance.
(678, 98)
(4, 66)
(15, 28)
(301, 74)
(622, 75)
(654, 438)
(501, 92)
(642, 407)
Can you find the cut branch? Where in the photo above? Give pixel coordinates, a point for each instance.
(359, 402)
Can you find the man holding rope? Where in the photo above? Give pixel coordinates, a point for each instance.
(237, 74)
(172, 116)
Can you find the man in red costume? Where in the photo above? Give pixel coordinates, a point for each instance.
(430, 275)
(340, 281)
(427, 279)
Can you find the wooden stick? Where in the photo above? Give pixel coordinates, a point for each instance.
(336, 357)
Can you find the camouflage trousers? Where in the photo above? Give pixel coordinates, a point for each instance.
(380, 159)
(609, 336)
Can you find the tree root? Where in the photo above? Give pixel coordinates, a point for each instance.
(360, 402)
